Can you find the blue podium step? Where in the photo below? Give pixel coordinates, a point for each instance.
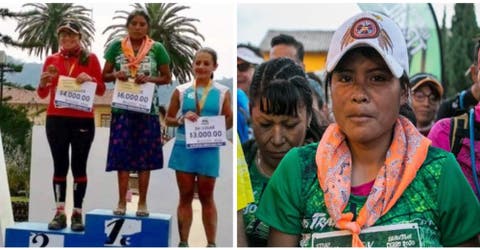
(102, 228)
(128, 230)
(30, 234)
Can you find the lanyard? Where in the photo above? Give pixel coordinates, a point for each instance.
(199, 105)
(71, 69)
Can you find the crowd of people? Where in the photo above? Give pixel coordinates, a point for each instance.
(381, 163)
(135, 142)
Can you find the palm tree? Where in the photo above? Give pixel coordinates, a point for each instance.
(7, 40)
(42, 25)
(177, 33)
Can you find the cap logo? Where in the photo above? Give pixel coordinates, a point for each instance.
(367, 28)
(364, 28)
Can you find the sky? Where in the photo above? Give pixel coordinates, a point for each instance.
(217, 24)
(254, 20)
(224, 23)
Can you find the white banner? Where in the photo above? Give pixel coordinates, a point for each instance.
(70, 94)
(207, 131)
(131, 96)
(6, 214)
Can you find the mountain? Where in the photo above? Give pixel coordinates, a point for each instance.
(165, 91)
(30, 74)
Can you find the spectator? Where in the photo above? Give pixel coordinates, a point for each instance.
(281, 107)
(287, 46)
(457, 135)
(427, 93)
(248, 57)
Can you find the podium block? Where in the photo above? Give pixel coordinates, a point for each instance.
(30, 234)
(129, 230)
(102, 229)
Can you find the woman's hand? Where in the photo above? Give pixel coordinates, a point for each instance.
(141, 79)
(47, 76)
(84, 77)
(120, 75)
(191, 116)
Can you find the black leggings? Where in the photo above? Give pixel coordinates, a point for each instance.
(61, 133)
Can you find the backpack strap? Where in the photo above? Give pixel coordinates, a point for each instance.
(458, 130)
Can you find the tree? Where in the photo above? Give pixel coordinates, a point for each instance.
(460, 44)
(7, 40)
(42, 25)
(16, 137)
(177, 33)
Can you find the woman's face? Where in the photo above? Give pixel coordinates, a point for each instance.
(244, 76)
(68, 39)
(276, 134)
(366, 98)
(138, 27)
(203, 66)
(425, 104)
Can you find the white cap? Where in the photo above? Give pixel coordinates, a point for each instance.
(374, 30)
(248, 56)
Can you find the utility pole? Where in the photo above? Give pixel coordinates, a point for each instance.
(3, 60)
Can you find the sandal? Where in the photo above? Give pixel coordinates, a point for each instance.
(142, 213)
(120, 211)
(183, 244)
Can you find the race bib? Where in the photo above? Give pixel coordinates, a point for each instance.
(398, 235)
(70, 94)
(206, 132)
(131, 96)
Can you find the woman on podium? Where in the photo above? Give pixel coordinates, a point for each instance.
(202, 97)
(66, 126)
(135, 138)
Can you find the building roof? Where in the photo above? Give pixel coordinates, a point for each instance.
(20, 96)
(313, 40)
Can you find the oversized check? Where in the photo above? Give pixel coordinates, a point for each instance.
(131, 96)
(70, 94)
(207, 131)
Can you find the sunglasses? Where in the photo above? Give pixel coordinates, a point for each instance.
(242, 67)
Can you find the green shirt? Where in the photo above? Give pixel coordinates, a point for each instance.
(438, 201)
(255, 230)
(149, 66)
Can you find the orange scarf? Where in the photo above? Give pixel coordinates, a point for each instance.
(406, 154)
(134, 61)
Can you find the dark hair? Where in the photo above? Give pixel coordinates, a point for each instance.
(368, 52)
(138, 12)
(255, 50)
(407, 111)
(210, 51)
(279, 87)
(317, 87)
(291, 41)
(475, 52)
